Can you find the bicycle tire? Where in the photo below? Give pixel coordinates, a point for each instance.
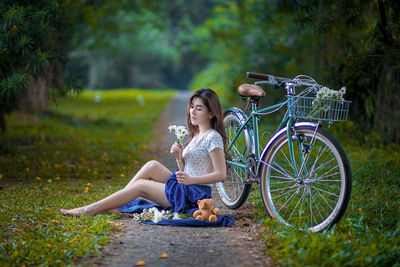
(320, 200)
(234, 191)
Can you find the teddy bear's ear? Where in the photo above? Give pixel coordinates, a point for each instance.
(198, 202)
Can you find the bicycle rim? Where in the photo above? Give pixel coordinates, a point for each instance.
(317, 197)
(234, 191)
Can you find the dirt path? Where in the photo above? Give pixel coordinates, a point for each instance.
(238, 245)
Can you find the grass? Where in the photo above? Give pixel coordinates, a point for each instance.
(369, 232)
(78, 151)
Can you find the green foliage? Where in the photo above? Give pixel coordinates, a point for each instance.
(32, 37)
(80, 151)
(369, 232)
(215, 77)
(148, 46)
(339, 43)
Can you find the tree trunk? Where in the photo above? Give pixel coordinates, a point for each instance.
(387, 105)
(36, 95)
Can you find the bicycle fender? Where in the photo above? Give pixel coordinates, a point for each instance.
(242, 116)
(273, 138)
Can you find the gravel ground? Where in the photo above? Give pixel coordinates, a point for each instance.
(238, 245)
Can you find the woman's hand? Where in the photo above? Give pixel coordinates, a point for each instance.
(175, 150)
(183, 178)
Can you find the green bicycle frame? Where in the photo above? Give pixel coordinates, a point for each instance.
(288, 121)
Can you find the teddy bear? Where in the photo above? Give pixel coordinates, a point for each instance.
(206, 210)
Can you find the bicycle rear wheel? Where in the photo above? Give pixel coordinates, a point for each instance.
(314, 196)
(234, 191)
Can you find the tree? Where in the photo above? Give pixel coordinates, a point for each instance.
(35, 38)
(362, 50)
(351, 43)
(33, 42)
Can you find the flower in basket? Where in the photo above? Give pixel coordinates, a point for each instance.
(180, 132)
(324, 93)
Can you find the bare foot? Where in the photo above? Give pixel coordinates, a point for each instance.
(75, 212)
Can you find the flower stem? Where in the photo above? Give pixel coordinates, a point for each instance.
(180, 163)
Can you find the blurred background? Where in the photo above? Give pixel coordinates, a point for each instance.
(83, 82)
(50, 47)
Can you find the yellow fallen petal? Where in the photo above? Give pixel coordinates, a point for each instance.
(164, 256)
(141, 263)
(48, 245)
(38, 178)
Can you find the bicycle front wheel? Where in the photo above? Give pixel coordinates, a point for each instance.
(311, 188)
(234, 190)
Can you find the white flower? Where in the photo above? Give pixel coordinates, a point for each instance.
(326, 93)
(180, 132)
(172, 128)
(154, 215)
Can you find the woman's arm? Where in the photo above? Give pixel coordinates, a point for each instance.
(218, 175)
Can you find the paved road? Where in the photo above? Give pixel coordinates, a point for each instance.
(230, 246)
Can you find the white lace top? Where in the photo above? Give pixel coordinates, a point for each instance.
(195, 154)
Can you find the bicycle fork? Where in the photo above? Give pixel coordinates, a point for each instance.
(303, 150)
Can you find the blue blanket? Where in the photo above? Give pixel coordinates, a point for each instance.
(138, 205)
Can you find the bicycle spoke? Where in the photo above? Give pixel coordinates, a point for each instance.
(283, 182)
(321, 178)
(280, 189)
(287, 201)
(294, 209)
(317, 158)
(325, 199)
(287, 177)
(283, 170)
(318, 210)
(284, 193)
(287, 160)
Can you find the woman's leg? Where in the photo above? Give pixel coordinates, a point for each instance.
(152, 170)
(148, 183)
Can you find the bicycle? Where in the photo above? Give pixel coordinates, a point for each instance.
(303, 171)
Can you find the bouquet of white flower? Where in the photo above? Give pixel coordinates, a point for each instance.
(180, 132)
(323, 101)
(154, 215)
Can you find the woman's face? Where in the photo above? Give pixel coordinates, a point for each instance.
(199, 113)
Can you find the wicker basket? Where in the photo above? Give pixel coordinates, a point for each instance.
(311, 108)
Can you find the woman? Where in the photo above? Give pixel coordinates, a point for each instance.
(204, 164)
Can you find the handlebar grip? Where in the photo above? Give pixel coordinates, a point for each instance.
(255, 75)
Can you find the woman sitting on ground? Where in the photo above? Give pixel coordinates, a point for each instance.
(204, 164)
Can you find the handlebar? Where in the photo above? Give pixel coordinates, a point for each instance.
(255, 75)
(301, 80)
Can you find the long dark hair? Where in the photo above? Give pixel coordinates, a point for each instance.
(211, 101)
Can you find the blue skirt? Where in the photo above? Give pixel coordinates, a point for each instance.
(183, 198)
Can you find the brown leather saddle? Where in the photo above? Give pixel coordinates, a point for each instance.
(251, 90)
